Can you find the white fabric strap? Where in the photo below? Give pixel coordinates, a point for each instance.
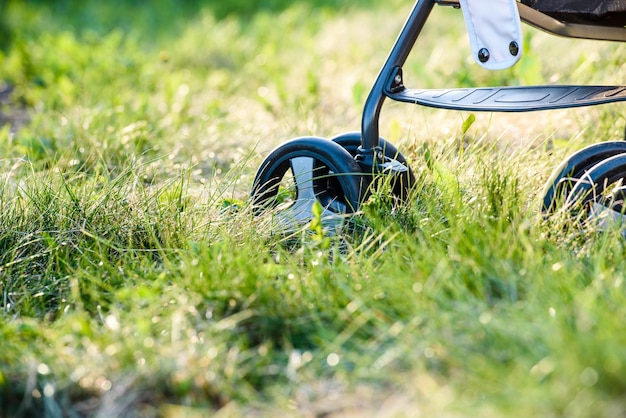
(495, 32)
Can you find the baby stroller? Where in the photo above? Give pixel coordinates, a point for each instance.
(307, 175)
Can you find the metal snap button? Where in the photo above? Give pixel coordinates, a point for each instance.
(483, 55)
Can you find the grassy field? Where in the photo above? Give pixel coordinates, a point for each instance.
(135, 281)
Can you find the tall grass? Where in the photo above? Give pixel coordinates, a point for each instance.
(135, 280)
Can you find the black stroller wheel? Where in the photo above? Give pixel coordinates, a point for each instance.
(601, 191)
(565, 176)
(305, 170)
(351, 142)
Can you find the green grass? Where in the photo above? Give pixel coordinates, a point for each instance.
(135, 281)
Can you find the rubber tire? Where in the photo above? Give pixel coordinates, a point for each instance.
(574, 167)
(351, 142)
(331, 155)
(594, 181)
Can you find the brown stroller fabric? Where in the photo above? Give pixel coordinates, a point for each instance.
(591, 12)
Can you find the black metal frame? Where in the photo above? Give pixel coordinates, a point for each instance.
(390, 84)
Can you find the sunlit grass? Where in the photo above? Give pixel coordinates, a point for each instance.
(135, 279)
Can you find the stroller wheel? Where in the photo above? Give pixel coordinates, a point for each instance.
(601, 191)
(305, 170)
(563, 178)
(351, 141)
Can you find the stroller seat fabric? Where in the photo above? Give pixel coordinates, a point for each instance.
(590, 12)
(494, 31)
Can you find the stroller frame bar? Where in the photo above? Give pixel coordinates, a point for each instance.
(396, 59)
(390, 83)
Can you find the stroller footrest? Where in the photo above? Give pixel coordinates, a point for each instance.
(511, 99)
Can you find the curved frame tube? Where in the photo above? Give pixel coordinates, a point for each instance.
(396, 59)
